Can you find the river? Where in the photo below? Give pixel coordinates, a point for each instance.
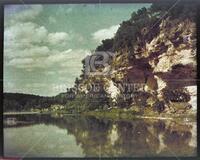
(78, 136)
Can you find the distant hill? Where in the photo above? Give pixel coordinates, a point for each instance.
(25, 102)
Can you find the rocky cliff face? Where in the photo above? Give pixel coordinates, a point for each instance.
(154, 66)
(172, 59)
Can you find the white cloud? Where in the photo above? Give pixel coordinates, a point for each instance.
(20, 61)
(73, 60)
(30, 32)
(69, 59)
(31, 51)
(36, 51)
(28, 64)
(51, 19)
(31, 47)
(57, 38)
(58, 57)
(50, 73)
(30, 40)
(30, 13)
(105, 33)
(27, 32)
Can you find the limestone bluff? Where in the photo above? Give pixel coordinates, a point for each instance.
(156, 47)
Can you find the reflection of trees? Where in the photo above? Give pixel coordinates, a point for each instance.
(91, 134)
(177, 138)
(136, 139)
(140, 138)
(121, 138)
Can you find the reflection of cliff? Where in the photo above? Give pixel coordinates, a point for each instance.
(122, 138)
(176, 136)
(136, 138)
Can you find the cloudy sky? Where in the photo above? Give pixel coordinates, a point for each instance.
(44, 44)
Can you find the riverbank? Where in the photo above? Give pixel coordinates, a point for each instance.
(19, 113)
(27, 113)
(119, 114)
(116, 114)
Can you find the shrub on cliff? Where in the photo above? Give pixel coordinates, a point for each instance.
(176, 95)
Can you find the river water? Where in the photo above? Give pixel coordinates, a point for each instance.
(79, 136)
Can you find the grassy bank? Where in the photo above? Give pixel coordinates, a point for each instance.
(120, 114)
(115, 114)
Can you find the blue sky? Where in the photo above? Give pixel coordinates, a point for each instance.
(44, 44)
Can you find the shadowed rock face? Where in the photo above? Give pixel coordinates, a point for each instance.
(180, 76)
(167, 63)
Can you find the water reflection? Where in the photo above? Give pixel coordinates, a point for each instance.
(108, 138)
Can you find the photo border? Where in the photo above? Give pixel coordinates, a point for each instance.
(7, 2)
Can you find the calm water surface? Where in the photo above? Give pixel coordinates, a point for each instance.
(78, 136)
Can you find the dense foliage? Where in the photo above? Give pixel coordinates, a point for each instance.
(25, 102)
